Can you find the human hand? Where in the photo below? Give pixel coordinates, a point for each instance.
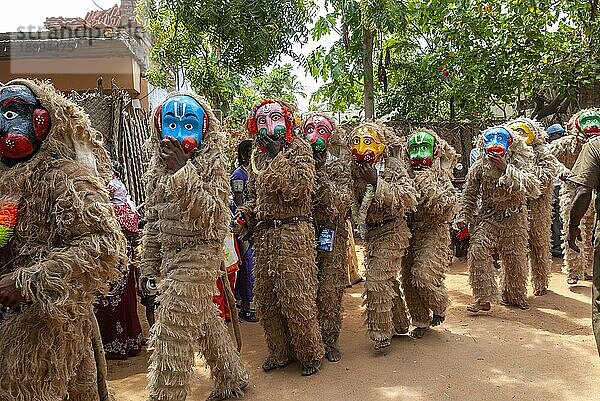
(10, 295)
(564, 174)
(498, 162)
(460, 225)
(368, 172)
(320, 158)
(271, 147)
(573, 235)
(173, 154)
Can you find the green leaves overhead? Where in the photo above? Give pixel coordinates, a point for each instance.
(211, 41)
(436, 60)
(280, 83)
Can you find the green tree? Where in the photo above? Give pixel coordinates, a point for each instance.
(280, 83)
(458, 58)
(348, 65)
(214, 43)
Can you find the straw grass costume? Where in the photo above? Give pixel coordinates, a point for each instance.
(431, 161)
(546, 168)
(566, 149)
(187, 217)
(278, 212)
(330, 212)
(500, 223)
(379, 212)
(64, 246)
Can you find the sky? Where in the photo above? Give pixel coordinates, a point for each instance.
(20, 15)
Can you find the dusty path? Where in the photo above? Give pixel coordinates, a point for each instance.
(546, 353)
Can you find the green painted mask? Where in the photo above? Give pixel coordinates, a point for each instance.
(421, 149)
(589, 123)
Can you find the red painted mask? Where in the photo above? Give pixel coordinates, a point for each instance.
(318, 131)
(24, 124)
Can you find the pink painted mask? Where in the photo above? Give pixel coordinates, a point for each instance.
(318, 131)
(270, 121)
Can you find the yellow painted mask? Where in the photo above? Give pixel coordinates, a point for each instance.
(524, 131)
(366, 145)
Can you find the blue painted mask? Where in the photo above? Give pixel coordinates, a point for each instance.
(496, 141)
(184, 119)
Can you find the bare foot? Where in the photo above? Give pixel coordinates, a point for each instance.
(310, 368)
(524, 305)
(400, 331)
(226, 394)
(436, 320)
(479, 306)
(270, 364)
(382, 343)
(572, 280)
(418, 332)
(333, 354)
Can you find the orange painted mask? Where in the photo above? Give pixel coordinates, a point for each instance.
(366, 145)
(523, 130)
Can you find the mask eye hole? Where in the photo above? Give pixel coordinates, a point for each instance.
(172, 125)
(9, 115)
(356, 141)
(188, 127)
(367, 142)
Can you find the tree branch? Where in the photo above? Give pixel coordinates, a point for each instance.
(544, 109)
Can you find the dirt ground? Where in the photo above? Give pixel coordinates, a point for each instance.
(546, 353)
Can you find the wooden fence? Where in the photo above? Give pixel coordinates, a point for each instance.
(124, 131)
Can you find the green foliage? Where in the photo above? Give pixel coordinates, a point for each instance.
(216, 42)
(280, 83)
(470, 54)
(341, 65)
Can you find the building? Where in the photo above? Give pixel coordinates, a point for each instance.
(74, 53)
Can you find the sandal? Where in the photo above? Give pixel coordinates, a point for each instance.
(249, 316)
(418, 332)
(382, 343)
(477, 307)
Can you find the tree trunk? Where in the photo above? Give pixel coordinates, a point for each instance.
(589, 95)
(544, 108)
(368, 74)
(452, 112)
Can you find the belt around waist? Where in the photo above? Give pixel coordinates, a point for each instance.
(500, 215)
(383, 223)
(262, 224)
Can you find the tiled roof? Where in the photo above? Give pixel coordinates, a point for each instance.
(110, 18)
(100, 19)
(54, 23)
